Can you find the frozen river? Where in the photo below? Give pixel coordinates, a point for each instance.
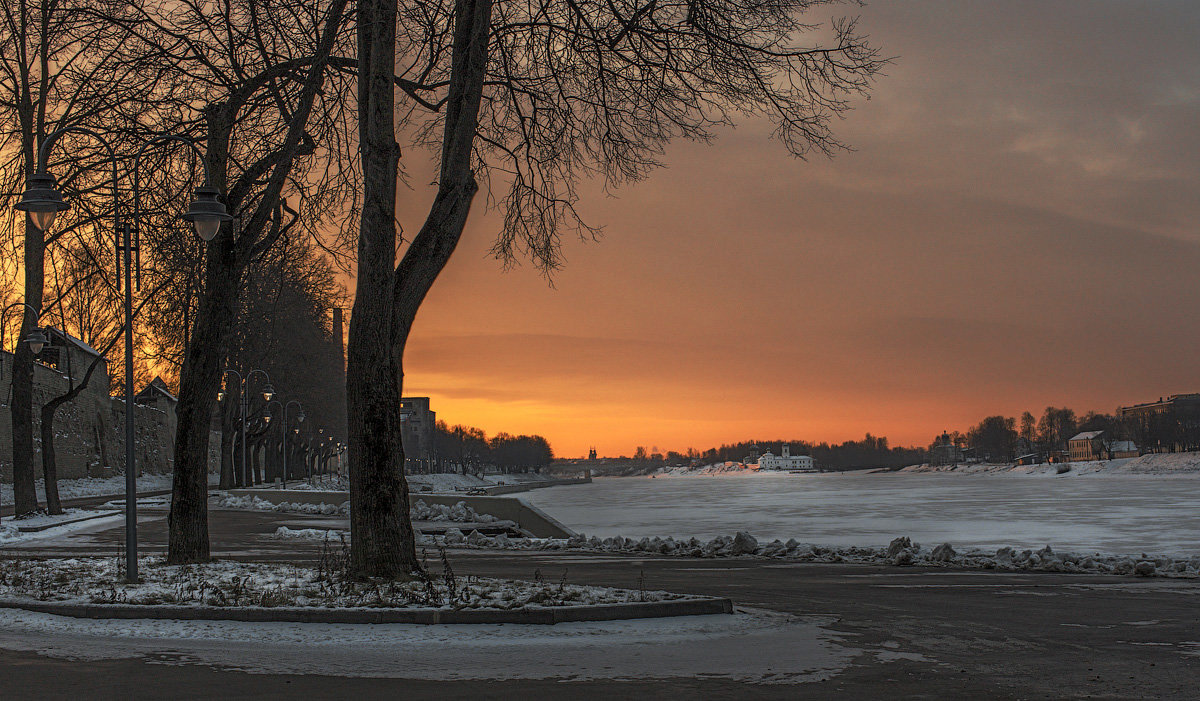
(1110, 514)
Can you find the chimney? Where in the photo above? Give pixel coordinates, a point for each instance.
(337, 332)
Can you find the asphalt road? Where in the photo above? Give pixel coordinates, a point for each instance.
(925, 633)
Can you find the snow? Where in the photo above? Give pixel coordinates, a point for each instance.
(438, 482)
(755, 647)
(97, 486)
(901, 551)
(518, 478)
(1152, 464)
(446, 482)
(222, 500)
(420, 511)
(272, 585)
(10, 534)
(720, 468)
(1116, 513)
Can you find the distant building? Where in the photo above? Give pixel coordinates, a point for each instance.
(1085, 446)
(417, 423)
(1173, 403)
(945, 451)
(787, 461)
(72, 357)
(156, 394)
(1097, 445)
(1168, 425)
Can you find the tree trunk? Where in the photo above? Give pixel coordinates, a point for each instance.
(49, 466)
(199, 380)
(25, 498)
(228, 427)
(239, 470)
(381, 537)
(256, 461)
(225, 261)
(431, 249)
(49, 457)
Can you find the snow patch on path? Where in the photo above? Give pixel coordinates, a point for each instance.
(70, 518)
(756, 647)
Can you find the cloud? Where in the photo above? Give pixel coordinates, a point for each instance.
(1016, 227)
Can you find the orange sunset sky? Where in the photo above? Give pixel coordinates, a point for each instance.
(1017, 228)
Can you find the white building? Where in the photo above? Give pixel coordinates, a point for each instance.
(787, 461)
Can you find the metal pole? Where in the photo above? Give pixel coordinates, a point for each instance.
(285, 448)
(131, 559)
(244, 406)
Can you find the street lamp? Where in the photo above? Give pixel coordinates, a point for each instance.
(36, 338)
(42, 201)
(244, 401)
(299, 418)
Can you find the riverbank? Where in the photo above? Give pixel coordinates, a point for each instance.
(1163, 464)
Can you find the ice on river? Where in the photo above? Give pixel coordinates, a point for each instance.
(1118, 514)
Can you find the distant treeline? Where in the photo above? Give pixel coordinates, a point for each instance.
(871, 451)
(1003, 439)
(470, 447)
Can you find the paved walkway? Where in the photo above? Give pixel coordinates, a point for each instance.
(77, 502)
(920, 633)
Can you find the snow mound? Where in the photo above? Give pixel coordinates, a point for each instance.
(458, 512)
(269, 585)
(901, 551)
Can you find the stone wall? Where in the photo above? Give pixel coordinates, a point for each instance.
(90, 431)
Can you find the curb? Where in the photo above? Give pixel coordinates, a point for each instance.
(534, 616)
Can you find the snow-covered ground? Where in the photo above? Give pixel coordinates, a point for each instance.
(1118, 514)
(420, 511)
(756, 647)
(901, 551)
(446, 482)
(98, 487)
(519, 478)
(249, 584)
(433, 483)
(720, 468)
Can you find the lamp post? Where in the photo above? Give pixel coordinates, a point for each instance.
(299, 418)
(244, 401)
(43, 201)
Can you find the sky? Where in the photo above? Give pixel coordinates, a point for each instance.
(1016, 228)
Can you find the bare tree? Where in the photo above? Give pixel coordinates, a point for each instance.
(528, 98)
(57, 69)
(250, 80)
